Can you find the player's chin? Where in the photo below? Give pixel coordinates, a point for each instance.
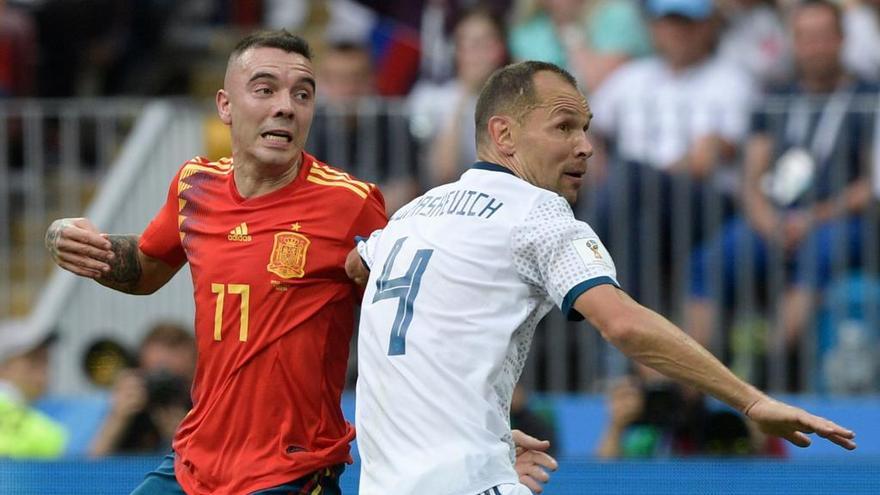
(570, 191)
(277, 156)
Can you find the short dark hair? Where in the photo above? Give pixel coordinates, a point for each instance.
(281, 39)
(511, 89)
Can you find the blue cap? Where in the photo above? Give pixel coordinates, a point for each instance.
(698, 10)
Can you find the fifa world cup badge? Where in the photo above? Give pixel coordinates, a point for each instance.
(288, 259)
(594, 247)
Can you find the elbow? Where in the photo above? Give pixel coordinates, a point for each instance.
(620, 331)
(144, 291)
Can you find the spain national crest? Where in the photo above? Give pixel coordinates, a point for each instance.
(288, 258)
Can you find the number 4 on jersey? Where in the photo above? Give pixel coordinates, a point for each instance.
(405, 289)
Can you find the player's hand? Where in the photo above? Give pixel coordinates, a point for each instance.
(793, 424)
(78, 246)
(355, 269)
(532, 461)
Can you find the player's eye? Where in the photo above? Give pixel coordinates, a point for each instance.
(263, 91)
(303, 95)
(564, 127)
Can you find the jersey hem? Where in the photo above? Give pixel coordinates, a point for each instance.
(478, 489)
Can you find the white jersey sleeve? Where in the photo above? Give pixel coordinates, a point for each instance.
(560, 255)
(367, 248)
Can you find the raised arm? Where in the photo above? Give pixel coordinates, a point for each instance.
(114, 261)
(652, 340)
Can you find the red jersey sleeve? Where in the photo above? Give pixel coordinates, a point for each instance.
(161, 239)
(371, 217)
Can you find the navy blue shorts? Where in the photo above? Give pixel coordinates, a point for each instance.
(162, 482)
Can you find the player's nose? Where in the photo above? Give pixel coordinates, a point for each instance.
(583, 148)
(283, 107)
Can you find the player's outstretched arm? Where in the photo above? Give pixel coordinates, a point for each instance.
(114, 261)
(532, 461)
(652, 340)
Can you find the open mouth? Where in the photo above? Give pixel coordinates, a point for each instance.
(277, 135)
(575, 175)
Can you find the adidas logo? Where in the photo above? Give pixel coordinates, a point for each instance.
(239, 233)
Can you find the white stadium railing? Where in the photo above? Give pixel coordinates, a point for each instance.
(37, 185)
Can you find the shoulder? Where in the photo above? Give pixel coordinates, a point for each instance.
(549, 206)
(222, 166)
(338, 182)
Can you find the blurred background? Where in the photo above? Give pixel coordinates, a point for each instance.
(736, 183)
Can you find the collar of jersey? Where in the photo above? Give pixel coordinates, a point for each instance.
(492, 167)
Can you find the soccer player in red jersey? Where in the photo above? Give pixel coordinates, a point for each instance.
(266, 235)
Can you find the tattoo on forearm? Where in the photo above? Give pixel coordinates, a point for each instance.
(125, 268)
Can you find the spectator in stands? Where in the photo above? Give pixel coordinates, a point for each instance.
(357, 130)
(669, 122)
(18, 52)
(443, 115)
(652, 416)
(149, 402)
(24, 372)
(754, 38)
(589, 38)
(806, 182)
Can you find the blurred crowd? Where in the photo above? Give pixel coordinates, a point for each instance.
(756, 113)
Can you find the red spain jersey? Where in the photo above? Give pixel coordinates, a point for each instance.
(274, 317)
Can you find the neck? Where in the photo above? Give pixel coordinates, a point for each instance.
(255, 179)
(509, 162)
(683, 64)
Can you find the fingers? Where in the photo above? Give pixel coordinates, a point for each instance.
(528, 442)
(798, 438)
(87, 238)
(533, 485)
(533, 476)
(832, 432)
(839, 436)
(77, 270)
(355, 269)
(844, 442)
(542, 459)
(532, 466)
(78, 247)
(78, 263)
(535, 472)
(83, 249)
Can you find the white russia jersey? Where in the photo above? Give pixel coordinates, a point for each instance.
(459, 279)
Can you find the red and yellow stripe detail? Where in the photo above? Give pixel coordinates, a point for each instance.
(326, 176)
(222, 166)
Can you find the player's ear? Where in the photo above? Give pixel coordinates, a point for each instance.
(501, 134)
(222, 101)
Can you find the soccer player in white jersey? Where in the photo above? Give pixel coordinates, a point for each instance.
(460, 277)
